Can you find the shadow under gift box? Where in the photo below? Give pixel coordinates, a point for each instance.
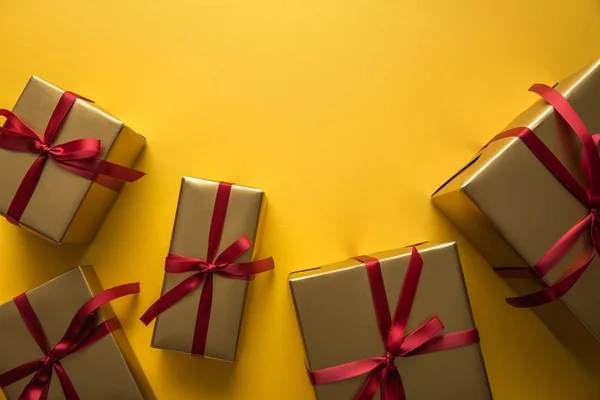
(174, 328)
(65, 207)
(339, 324)
(513, 210)
(107, 369)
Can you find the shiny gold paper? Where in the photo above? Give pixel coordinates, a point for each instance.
(338, 323)
(65, 207)
(513, 209)
(174, 329)
(99, 372)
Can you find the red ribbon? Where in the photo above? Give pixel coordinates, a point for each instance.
(223, 265)
(81, 333)
(590, 197)
(79, 156)
(424, 339)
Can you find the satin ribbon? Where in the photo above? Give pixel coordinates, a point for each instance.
(589, 196)
(223, 265)
(82, 332)
(382, 371)
(79, 156)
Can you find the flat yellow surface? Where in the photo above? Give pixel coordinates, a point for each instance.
(348, 113)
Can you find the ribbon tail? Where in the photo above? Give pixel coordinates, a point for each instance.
(448, 341)
(37, 388)
(101, 171)
(392, 387)
(372, 384)
(118, 172)
(65, 382)
(203, 318)
(405, 301)
(561, 247)
(548, 261)
(247, 270)
(170, 298)
(20, 372)
(92, 305)
(345, 371)
(552, 292)
(98, 333)
(25, 191)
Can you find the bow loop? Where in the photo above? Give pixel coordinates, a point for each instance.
(405, 301)
(15, 128)
(392, 387)
(389, 358)
(234, 251)
(421, 336)
(79, 149)
(176, 264)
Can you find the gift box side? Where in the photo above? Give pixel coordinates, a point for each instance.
(121, 340)
(455, 203)
(174, 329)
(99, 200)
(338, 322)
(55, 303)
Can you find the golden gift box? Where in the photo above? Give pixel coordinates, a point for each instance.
(176, 325)
(514, 210)
(55, 304)
(64, 207)
(339, 324)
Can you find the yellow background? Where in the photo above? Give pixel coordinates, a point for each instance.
(348, 113)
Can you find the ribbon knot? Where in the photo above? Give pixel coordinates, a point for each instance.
(596, 213)
(389, 358)
(44, 149)
(49, 360)
(212, 268)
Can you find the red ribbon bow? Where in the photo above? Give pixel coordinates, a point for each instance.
(224, 265)
(79, 156)
(81, 333)
(590, 197)
(424, 339)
